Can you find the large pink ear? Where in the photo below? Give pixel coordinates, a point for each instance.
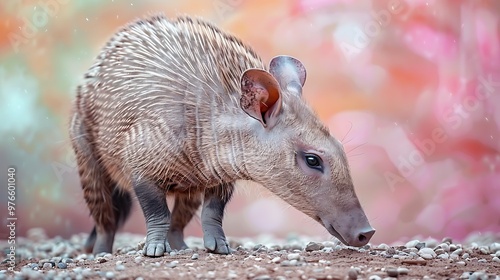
(289, 72)
(260, 96)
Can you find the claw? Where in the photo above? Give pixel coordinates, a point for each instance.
(156, 249)
(217, 245)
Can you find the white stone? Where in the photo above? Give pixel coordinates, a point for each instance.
(293, 256)
(495, 247)
(427, 252)
(412, 243)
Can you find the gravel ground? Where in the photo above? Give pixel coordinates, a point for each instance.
(264, 257)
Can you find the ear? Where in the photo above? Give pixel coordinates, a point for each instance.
(260, 96)
(289, 71)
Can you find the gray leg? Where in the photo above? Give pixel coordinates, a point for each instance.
(122, 204)
(108, 207)
(154, 207)
(211, 218)
(184, 209)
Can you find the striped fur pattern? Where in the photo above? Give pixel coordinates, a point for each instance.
(162, 103)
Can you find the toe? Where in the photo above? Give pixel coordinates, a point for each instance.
(154, 249)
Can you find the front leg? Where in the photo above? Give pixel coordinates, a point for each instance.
(154, 207)
(211, 218)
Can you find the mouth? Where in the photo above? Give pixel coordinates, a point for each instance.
(335, 233)
(332, 231)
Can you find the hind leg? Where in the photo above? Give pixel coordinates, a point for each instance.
(106, 206)
(214, 203)
(184, 209)
(122, 203)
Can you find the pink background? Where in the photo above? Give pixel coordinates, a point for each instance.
(410, 87)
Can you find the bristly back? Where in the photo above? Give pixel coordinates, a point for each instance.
(195, 46)
(233, 57)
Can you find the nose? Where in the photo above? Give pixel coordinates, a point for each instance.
(363, 237)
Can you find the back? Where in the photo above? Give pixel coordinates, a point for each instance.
(154, 84)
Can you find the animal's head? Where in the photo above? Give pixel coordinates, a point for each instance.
(296, 157)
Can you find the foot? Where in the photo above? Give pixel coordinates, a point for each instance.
(156, 248)
(215, 241)
(176, 240)
(88, 247)
(103, 243)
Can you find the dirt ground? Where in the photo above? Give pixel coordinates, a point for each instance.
(298, 260)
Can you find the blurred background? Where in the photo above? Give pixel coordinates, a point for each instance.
(410, 87)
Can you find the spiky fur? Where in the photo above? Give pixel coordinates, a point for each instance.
(161, 103)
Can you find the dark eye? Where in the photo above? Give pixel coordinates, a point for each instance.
(314, 161)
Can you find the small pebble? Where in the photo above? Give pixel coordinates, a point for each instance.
(494, 247)
(195, 256)
(431, 243)
(108, 256)
(439, 251)
(330, 249)
(42, 261)
(263, 277)
(383, 246)
(374, 277)
(411, 244)
(403, 271)
(479, 275)
(173, 264)
(172, 254)
(313, 246)
(444, 256)
(461, 263)
(352, 273)
(391, 251)
(47, 265)
(484, 250)
(62, 265)
(120, 267)
(329, 244)
(293, 256)
(445, 247)
(109, 275)
(427, 253)
(496, 259)
(392, 272)
(78, 270)
(457, 252)
(420, 245)
(447, 240)
(87, 272)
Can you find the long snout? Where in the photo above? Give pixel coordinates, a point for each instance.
(361, 237)
(352, 229)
